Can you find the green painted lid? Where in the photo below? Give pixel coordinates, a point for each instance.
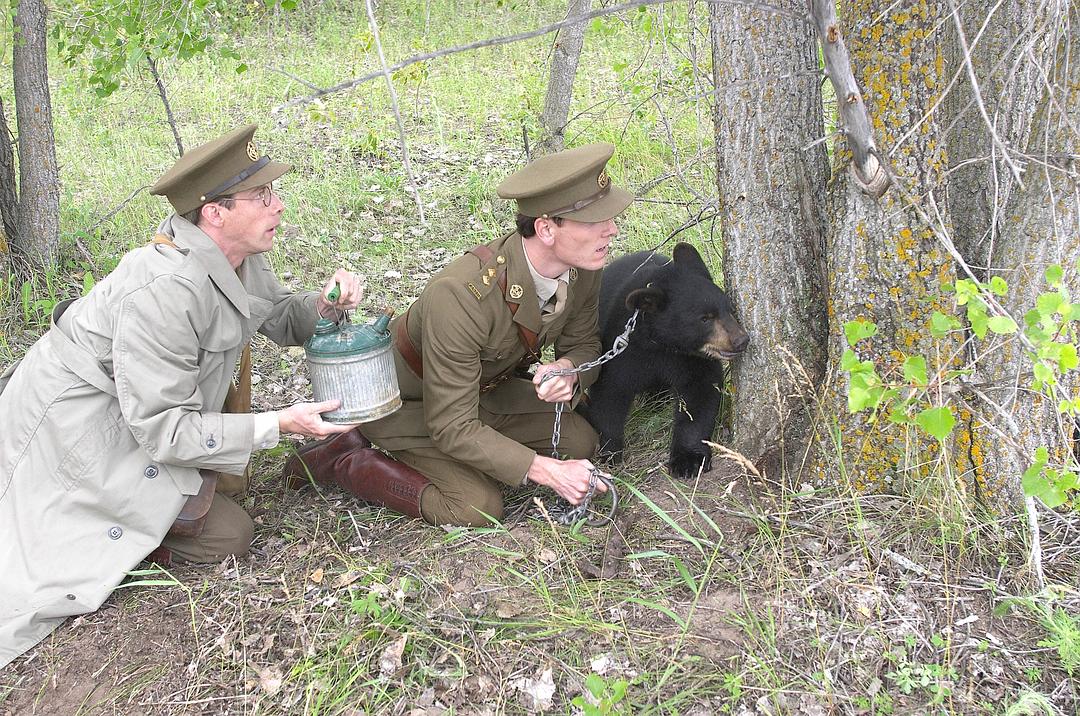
(349, 339)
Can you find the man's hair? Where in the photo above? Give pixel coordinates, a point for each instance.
(526, 225)
(195, 215)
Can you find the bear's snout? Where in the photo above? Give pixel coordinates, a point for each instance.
(727, 340)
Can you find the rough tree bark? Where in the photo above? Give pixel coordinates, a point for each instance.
(37, 240)
(9, 197)
(884, 263)
(1029, 79)
(770, 173)
(560, 89)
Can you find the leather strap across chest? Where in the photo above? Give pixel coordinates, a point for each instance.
(529, 339)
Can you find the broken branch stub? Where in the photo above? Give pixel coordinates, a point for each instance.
(868, 168)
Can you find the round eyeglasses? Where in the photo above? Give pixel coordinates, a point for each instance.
(266, 195)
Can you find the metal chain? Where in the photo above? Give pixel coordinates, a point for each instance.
(571, 515)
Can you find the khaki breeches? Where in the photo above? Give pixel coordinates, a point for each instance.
(461, 495)
(228, 531)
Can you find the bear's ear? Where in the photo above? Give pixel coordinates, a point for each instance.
(687, 256)
(649, 299)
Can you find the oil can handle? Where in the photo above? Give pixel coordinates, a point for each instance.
(334, 293)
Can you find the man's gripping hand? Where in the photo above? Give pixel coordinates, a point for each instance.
(558, 389)
(569, 478)
(306, 419)
(347, 290)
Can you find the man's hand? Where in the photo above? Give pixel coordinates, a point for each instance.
(569, 478)
(306, 419)
(558, 389)
(351, 290)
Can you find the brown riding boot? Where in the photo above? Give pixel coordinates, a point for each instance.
(317, 458)
(375, 477)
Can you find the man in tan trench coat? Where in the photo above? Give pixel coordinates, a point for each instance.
(472, 416)
(108, 423)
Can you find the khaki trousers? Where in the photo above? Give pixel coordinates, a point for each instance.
(462, 495)
(228, 531)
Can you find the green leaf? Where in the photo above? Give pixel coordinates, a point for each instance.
(998, 286)
(1054, 275)
(940, 324)
(1043, 373)
(859, 329)
(937, 422)
(857, 399)
(978, 320)
(1048, 304)
(1067, 359)
(915, 370)
(595, 684)
(849, 361)
(1002, 325)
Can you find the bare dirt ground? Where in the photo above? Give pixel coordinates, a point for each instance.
(722, 596)
(728, 594)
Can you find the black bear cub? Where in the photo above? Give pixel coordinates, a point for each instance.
(684, 333)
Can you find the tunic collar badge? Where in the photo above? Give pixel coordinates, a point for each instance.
(573, 274)
(516, 292)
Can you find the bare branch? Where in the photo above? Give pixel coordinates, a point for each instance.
(870, 172)
(977, 95)
(506, 40)
(165, 101)
(397, 112)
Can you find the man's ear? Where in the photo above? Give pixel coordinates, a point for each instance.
(211, 214)
(545, 230)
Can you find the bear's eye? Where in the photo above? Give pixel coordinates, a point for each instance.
(708, 317)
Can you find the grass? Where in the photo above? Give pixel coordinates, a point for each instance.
(721, 595)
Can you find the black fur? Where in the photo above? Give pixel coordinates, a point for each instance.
(685, 331)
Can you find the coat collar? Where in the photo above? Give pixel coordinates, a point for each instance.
(191, 238)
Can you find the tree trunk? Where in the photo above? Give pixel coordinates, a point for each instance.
(37, 240)
(884, 263)
(1033, 227)
(9, 195)
(768, 109)
(1009, 86)
(560, 90)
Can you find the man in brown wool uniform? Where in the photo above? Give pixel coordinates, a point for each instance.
(472, 417)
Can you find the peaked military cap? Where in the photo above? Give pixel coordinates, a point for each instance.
(572, 183)
(223, 166)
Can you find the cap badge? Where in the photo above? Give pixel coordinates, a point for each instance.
(602, 180)
(516, 292)
(252, 152)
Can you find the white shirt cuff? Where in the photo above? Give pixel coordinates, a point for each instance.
(267, 434)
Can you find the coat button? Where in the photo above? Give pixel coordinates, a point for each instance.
(211, 443)
(115, 532)
(151, 471)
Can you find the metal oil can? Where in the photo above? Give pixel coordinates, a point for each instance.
(355, 364)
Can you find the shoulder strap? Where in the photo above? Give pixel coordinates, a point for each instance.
(163, 239)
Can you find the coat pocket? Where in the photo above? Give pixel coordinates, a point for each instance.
(90, 449)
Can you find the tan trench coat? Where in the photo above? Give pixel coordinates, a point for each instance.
(106, 422)
(467, 337)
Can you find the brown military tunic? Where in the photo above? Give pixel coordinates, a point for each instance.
(463, 437)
